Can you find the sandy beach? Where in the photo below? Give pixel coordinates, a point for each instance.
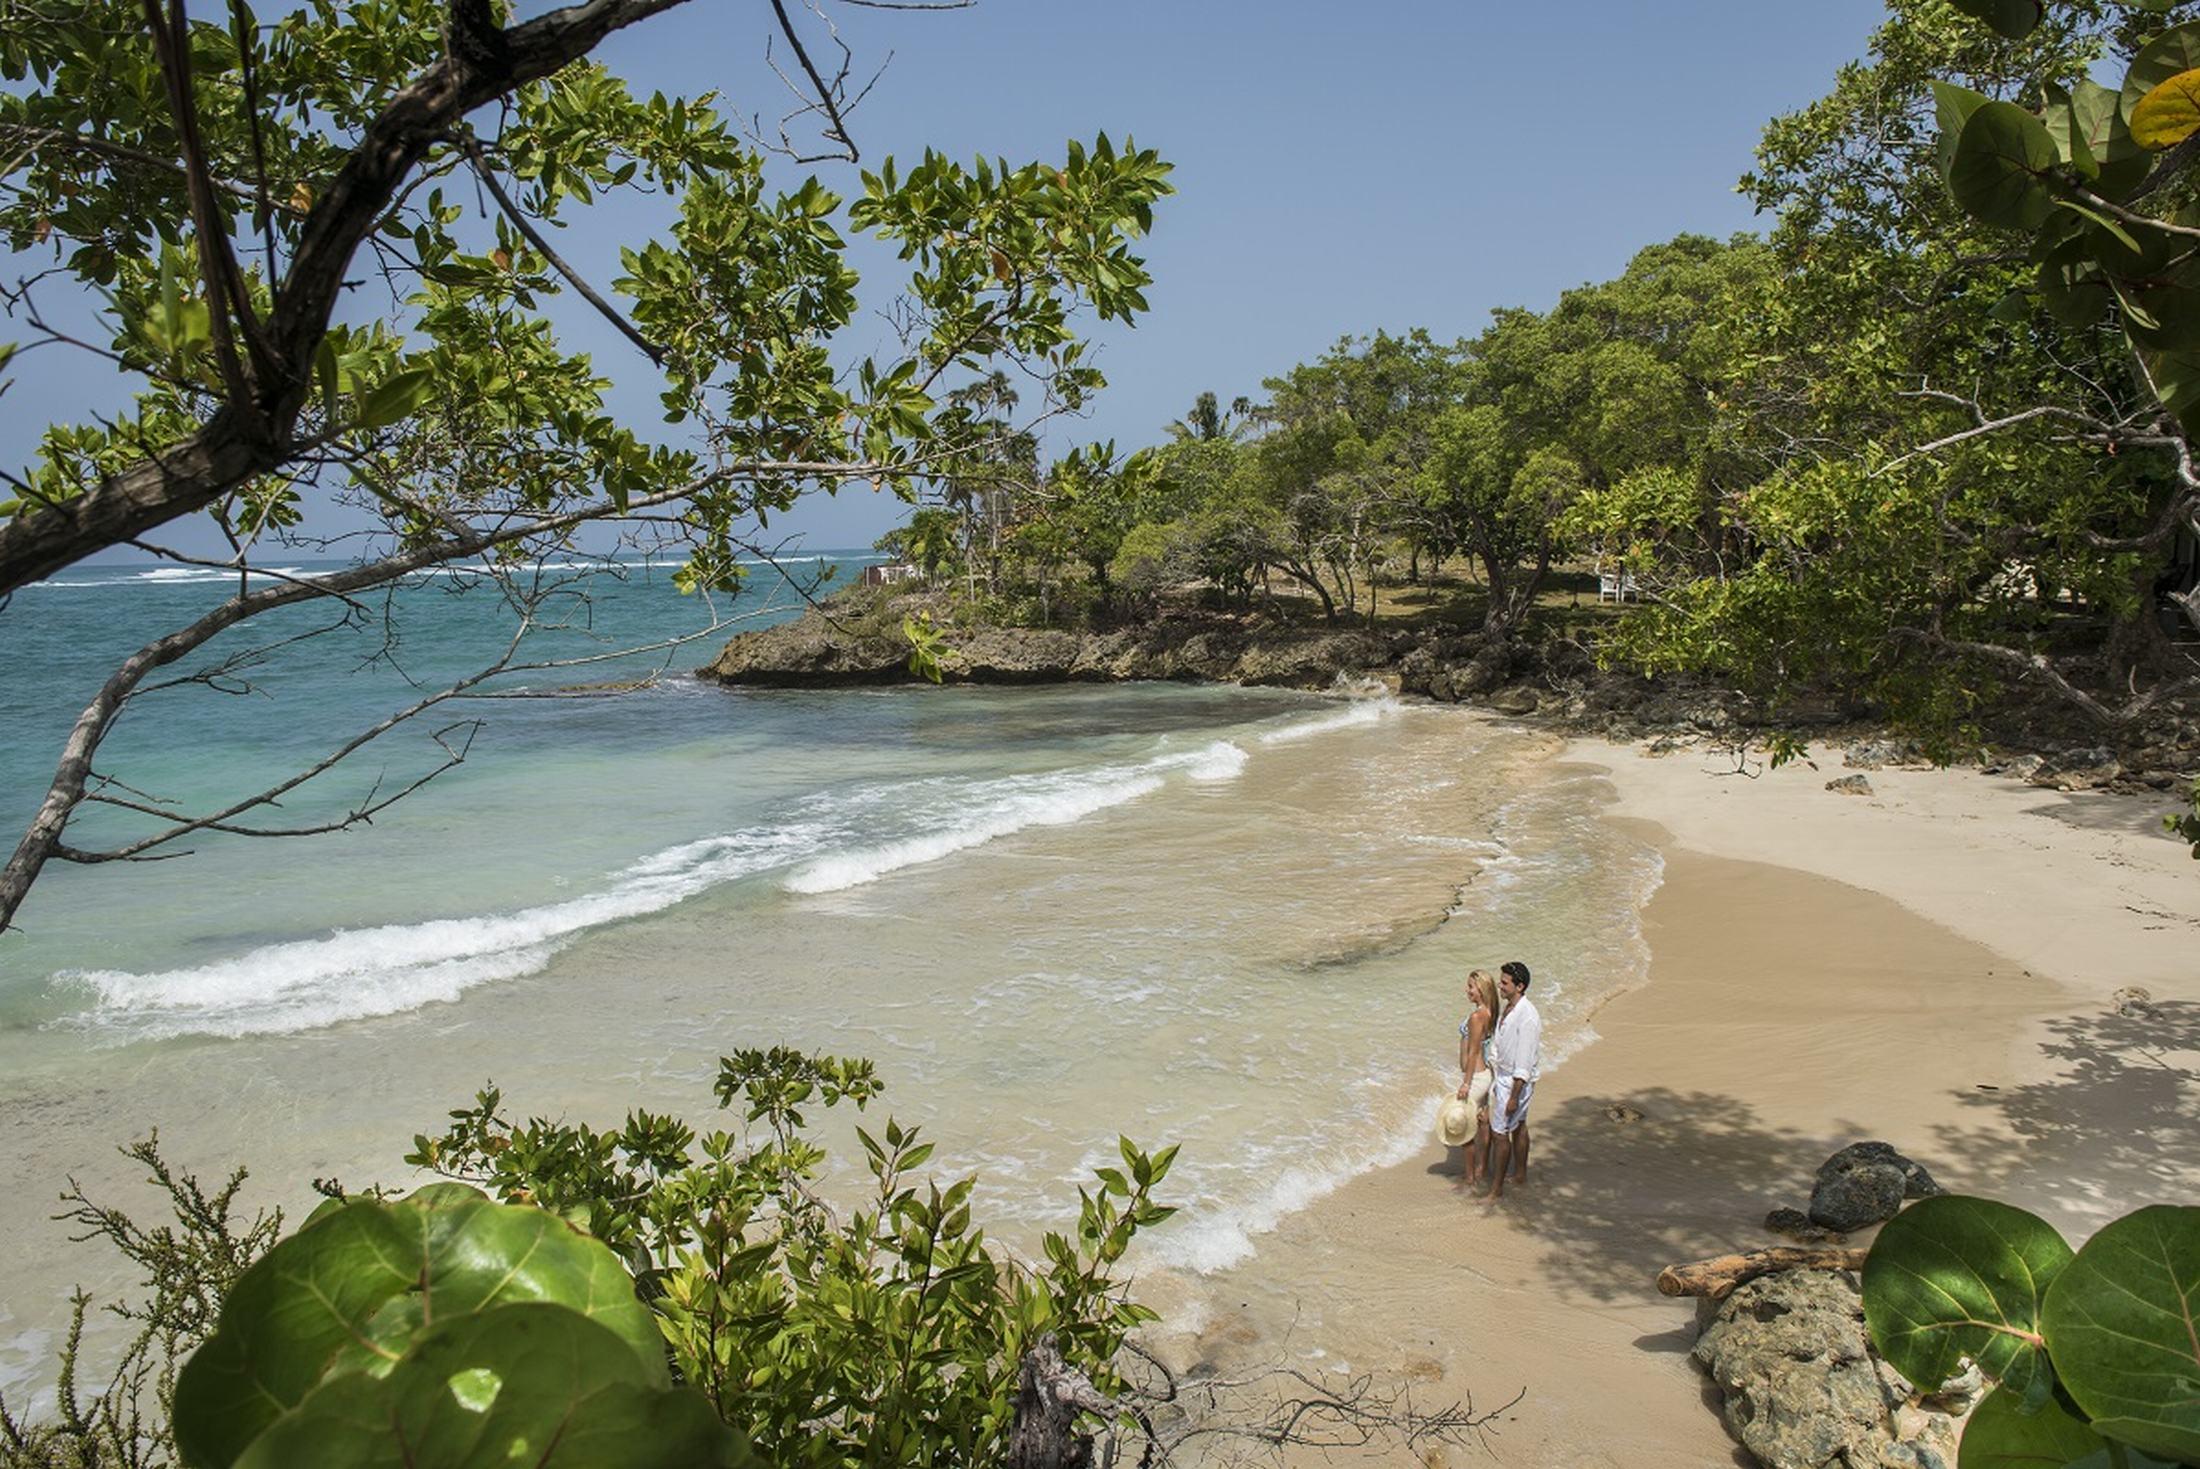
(1930, 965)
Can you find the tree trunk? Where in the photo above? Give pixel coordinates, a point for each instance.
(1049, 1395)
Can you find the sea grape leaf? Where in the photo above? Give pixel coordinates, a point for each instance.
(2169, 114)
(535, 1384)
(2176, 377)
(2011, 18)
(349, 1291)
(1952, 107)
(2175, 50)
(1956, 1277)
(2000, 1434)
(2060, 116)
(2120, 1323)
(2003, 167)
(2097, 117)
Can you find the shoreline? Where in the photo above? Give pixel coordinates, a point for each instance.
(2002, 1066)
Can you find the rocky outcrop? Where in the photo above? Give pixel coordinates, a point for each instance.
(1802, 1388)
(868, 646)
(857, 637)
(1865, 1184)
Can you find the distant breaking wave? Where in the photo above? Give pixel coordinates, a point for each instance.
(1017, 804)
(824, 846)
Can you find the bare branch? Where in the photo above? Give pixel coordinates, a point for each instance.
(542, 247)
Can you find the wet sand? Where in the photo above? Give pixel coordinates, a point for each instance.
(1930, 966)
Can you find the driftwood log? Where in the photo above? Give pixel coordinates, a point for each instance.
(1716, 1278)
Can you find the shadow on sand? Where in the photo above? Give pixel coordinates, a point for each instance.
(2121, 1127)
(1612, 1203)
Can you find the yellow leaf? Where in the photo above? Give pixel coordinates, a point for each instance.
(2169, 114)
(503, 258)
(301, 197)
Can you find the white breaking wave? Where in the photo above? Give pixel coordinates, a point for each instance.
(355, 974)
(1354, 714)
(1013, 804)
(1204, 1240)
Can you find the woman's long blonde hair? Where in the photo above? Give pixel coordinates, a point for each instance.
(1483, 987)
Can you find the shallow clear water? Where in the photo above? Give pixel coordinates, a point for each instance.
(1231, 919)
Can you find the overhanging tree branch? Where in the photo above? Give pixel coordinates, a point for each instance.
(250, 435)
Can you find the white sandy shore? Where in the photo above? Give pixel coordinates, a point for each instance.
(1929, 965)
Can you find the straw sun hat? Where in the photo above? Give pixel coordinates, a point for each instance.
(1454, 1122)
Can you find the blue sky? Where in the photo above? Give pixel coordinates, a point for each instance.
(1340, 168)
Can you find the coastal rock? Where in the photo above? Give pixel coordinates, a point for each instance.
(1801, 1388)
(1515, 700)
(2021, 767)
(1850, 785)
(2133, 1002)
(1874, 754)
(1865, 1184)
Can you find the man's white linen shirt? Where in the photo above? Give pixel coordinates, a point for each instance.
(1520, 1041)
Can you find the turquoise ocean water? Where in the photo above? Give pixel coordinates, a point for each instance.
(1234, 919)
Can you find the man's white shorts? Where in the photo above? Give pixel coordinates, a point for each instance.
(1504, 1116)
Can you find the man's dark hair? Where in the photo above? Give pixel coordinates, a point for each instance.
(1516, 970)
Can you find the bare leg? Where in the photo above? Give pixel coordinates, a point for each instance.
(1478, 1150)
(1501, 1145)
(1520, 1153)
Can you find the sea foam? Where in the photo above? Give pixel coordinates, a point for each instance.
(355, 974)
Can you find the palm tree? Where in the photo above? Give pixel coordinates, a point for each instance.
(1207, 422)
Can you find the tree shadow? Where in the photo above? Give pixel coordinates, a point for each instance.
(1612, 1203)
(2137, 816)
(2118, 1129)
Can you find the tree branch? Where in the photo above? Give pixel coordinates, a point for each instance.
(247, 438)
(542, 247)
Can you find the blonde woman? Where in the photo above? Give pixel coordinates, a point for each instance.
(1476, 1075)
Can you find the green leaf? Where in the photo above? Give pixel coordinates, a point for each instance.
(1954, 1278)
(534, 1384)
(394, 398)
(2175, 51)
(2011, 18)
(2168, 114)
(2060, 116)
(2176, 375)
(1952, 106)
(347, 1293)
(2097, 117)
(2105, 222)
(2120, 1324)
(2003, 166)
(2000, 1434)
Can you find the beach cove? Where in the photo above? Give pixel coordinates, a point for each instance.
(1932, 965)
(1238, 921)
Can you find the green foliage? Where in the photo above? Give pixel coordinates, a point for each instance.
(2092, 1353)
(717, 1312)
(891, 1334)
(2186, 825)
(1958, 1279)
(534, 1383)
(2119, 1321)
(365, 1286)
(186, 1267)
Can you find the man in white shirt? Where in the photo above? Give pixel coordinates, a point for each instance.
(1518, 1060)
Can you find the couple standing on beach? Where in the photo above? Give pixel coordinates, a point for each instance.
(1500, 1055)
